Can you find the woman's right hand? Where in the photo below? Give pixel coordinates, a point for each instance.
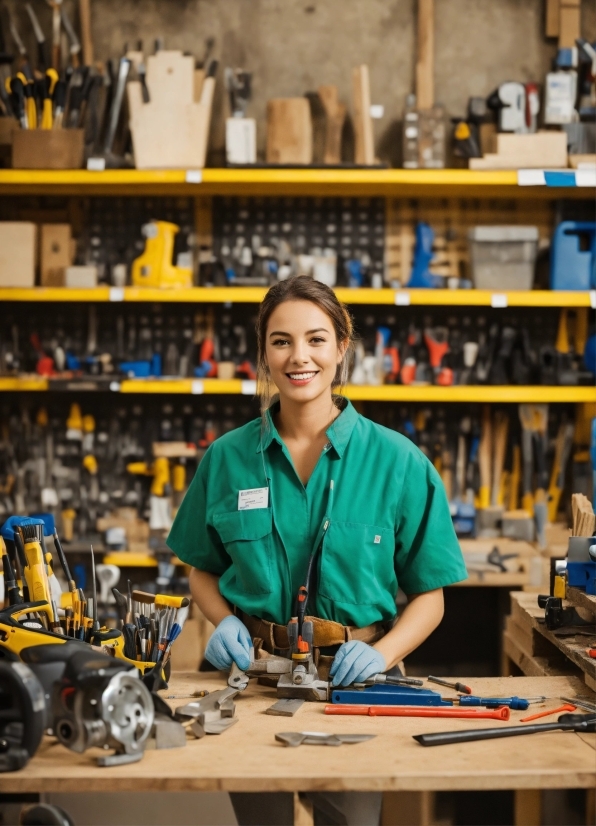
(230, 642)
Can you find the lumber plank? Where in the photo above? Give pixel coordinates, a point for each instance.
(580, 599)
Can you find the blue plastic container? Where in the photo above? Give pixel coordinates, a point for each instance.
(573, 256)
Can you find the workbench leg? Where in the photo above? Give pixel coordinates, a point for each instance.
(506, 670)
(527, 807)
(590, 807)
(303, 811)
(407, 808)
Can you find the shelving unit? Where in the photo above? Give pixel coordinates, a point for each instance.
(254, 295)
(307, 181)
(384, 393)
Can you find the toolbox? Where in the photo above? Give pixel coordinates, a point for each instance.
(503, 257)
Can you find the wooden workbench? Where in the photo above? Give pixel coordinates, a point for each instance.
(247, 757)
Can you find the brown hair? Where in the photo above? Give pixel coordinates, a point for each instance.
(303, 288)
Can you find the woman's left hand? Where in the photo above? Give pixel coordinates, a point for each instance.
(355, 662)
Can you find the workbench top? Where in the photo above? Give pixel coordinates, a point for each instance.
(247, 758)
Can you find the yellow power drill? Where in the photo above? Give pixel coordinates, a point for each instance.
(154, 268)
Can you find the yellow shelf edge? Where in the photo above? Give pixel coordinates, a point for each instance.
(361, 295)
(389, 392)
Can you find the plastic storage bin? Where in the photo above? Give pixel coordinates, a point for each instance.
(573, 256)
(503, 257)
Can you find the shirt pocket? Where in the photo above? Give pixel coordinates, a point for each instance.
(246, 536)
(357, 563)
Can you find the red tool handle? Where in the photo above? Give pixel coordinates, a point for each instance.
(591, 652)
(419, 711)
(559, 710)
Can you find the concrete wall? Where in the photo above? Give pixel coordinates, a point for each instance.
(292, 46)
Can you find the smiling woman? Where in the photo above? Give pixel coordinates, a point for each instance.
(313, 485)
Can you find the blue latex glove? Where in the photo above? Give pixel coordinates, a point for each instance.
(8, 528)
(355, 662)
(230, 642)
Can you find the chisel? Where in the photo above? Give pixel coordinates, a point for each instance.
(42, 59)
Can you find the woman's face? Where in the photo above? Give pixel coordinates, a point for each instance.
(301, 350)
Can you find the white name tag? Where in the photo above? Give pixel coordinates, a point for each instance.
(254, 498)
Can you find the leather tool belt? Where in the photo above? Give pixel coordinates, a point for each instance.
(270, 638)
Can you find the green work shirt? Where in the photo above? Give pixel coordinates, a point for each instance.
(248, 518)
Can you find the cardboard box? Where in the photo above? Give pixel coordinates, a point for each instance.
(17, 253)
(81, 277)
(55, 254)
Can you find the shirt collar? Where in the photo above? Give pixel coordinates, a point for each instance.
(338, 432)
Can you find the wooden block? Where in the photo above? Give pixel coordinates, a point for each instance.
(538, 151)
(55, 254)
(170, 135)
(365, 150)
(289, 131)
(335, 115)
(170, 79)
(425, 93)
(17, 253)
(569, 23)
(551, 21)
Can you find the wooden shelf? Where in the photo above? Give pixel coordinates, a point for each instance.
(254, 295)
(305, 181)
(385, 393)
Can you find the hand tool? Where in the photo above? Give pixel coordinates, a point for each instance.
(557, 480)
(555, 616)
(566, 722)
(59, 104)
(12, 594)
(319, 738)
(285, 708)
(591, 652)
(516, 703)
(56, 6)
(580, 702)
(485, 458)
(212, 714)
(501, 431)
(50, 82)
(42, 60)
(123, 70)
(28, 87)
(75, 46)
(417, 711)
(85, 22)
(558, 710)
(16, 88)
(465, 689)
(23, 66)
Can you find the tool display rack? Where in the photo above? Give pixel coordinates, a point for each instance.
(494, 193)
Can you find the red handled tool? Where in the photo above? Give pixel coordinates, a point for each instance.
(559, 710)
(591, 652)
(418, 711)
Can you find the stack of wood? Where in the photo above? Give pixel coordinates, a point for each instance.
(584, 520)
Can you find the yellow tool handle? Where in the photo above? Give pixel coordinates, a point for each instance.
(46, 117)
(36, 574)
(31, 113)
(168, 601)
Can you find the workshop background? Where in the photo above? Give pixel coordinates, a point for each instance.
(435, 163)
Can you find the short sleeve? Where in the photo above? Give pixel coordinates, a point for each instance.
(191, 537)
(427, 552)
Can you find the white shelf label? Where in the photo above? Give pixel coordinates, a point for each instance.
(531, 177)
(116, 293)
(593, 299)
(194, 176)
(402, 299)
(377, 110)
(96, 164)
(585, 177)
(197, 388)
(498, 300)
(248, 387)
(115, 386)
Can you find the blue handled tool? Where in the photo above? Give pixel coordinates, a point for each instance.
(384, 694)
(516, 703)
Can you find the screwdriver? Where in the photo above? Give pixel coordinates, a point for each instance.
(516, 703)
(465, 689)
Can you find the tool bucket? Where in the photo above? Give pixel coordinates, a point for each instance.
(48, 148)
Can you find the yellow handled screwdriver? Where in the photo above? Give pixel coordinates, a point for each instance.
(51, 80)
(29, 101)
